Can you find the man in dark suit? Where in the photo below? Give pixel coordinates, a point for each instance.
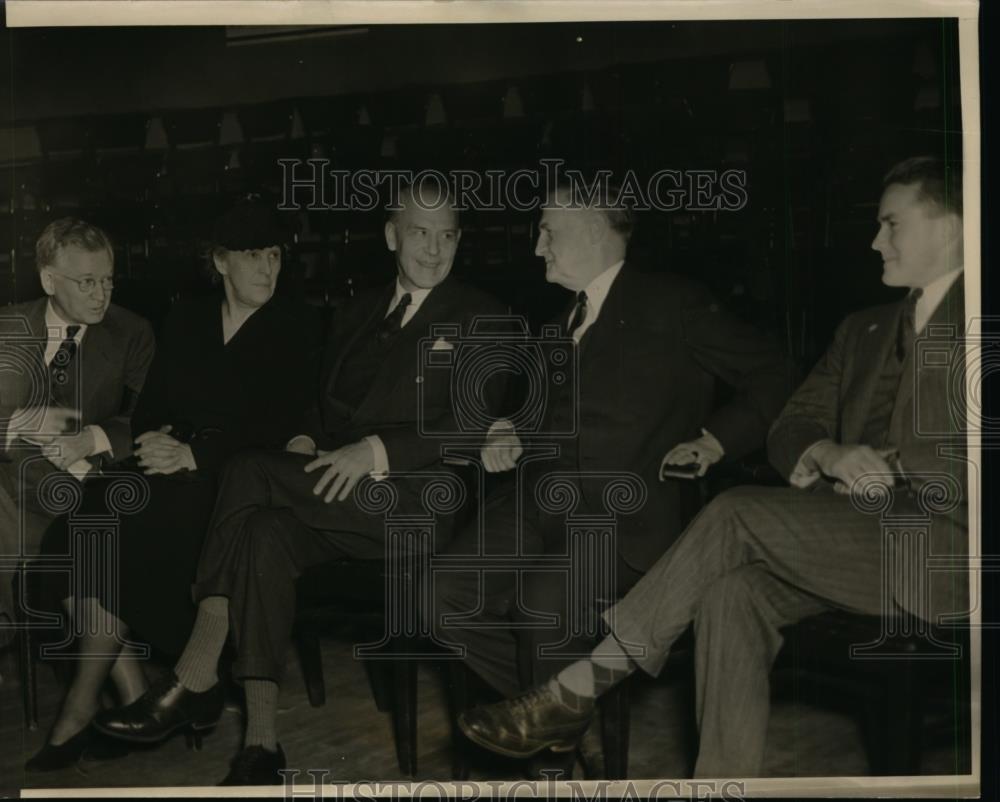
(650, 348)
(873, 425)
(73, 364)
(279, 513)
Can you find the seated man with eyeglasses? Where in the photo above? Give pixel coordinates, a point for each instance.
(72, 365)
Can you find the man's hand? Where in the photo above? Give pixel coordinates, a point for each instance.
(159, 453)
(706, 451)
(68, 449)
(344, 468)
(56, 421)
(847, 464)
(302, 444)
(501, 450)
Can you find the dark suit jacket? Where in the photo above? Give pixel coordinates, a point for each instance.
(648, 368)
(390, 409)
(928, 424)
(113, 359)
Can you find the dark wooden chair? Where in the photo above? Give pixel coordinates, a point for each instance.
(894, 683)
(352, 592)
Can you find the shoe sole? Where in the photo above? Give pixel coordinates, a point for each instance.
(152, 739)
(476, 738)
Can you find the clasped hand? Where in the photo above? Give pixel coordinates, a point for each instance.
(159, 453)
(852, 466)
(345, 467)
(501, 450)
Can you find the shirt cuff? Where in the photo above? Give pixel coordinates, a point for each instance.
(304, 438)
(500, 425)
(806, 471)
(13, 433)
(381, 457)
(101, 442)
(713, 441)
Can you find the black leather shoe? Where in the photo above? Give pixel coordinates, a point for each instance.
(165, 708)
(53, 758)
(256, 765)
(525, 725)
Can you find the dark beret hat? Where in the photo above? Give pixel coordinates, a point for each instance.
(250, 225)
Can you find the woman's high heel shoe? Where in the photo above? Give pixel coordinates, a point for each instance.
(165, 708)
(87, 744)
(53, 757)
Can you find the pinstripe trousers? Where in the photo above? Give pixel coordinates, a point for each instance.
(753, 561)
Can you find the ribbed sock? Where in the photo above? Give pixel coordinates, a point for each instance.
(580, 683)
(262, 713)
(197, 668)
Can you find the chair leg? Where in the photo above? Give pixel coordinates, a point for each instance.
(311, 658)
(380, 677)
(615, 723)
(404, 714)
(459, 700)
(904, 712)
(29, 679)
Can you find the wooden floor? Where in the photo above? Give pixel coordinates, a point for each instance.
(353, 741)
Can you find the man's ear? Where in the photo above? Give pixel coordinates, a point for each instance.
(45, 276)
(390, 236)
(597, 225)
(220, 263)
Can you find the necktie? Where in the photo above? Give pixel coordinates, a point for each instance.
(579, 313)
(59, 366)
(907, 327)
(393, 322)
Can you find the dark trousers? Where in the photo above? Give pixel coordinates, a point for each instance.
(267, 528)
(755, 560)
(518, 627)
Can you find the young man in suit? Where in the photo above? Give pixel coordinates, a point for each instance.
(759, 559)
(75, 363)
(650, 347)
(279, 513)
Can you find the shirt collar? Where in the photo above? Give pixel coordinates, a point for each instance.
(417, 297)
(599, 288)
(932, 296)
(54, 321)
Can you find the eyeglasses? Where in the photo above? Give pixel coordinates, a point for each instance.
(88, 285)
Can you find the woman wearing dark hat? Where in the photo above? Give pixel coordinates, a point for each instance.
(230, 372)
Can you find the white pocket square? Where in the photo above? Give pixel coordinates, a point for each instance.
(441, 344)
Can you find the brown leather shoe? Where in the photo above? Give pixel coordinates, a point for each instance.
(525, 725)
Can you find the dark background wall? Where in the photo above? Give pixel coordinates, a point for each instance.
(150, 132)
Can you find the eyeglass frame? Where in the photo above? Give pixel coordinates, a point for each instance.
(107, 284)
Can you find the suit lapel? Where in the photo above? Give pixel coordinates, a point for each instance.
(951, 311)
(612, 316)
(870, 355)
(400, 360)
(365, 324)
(33, 352)
(95, 362)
